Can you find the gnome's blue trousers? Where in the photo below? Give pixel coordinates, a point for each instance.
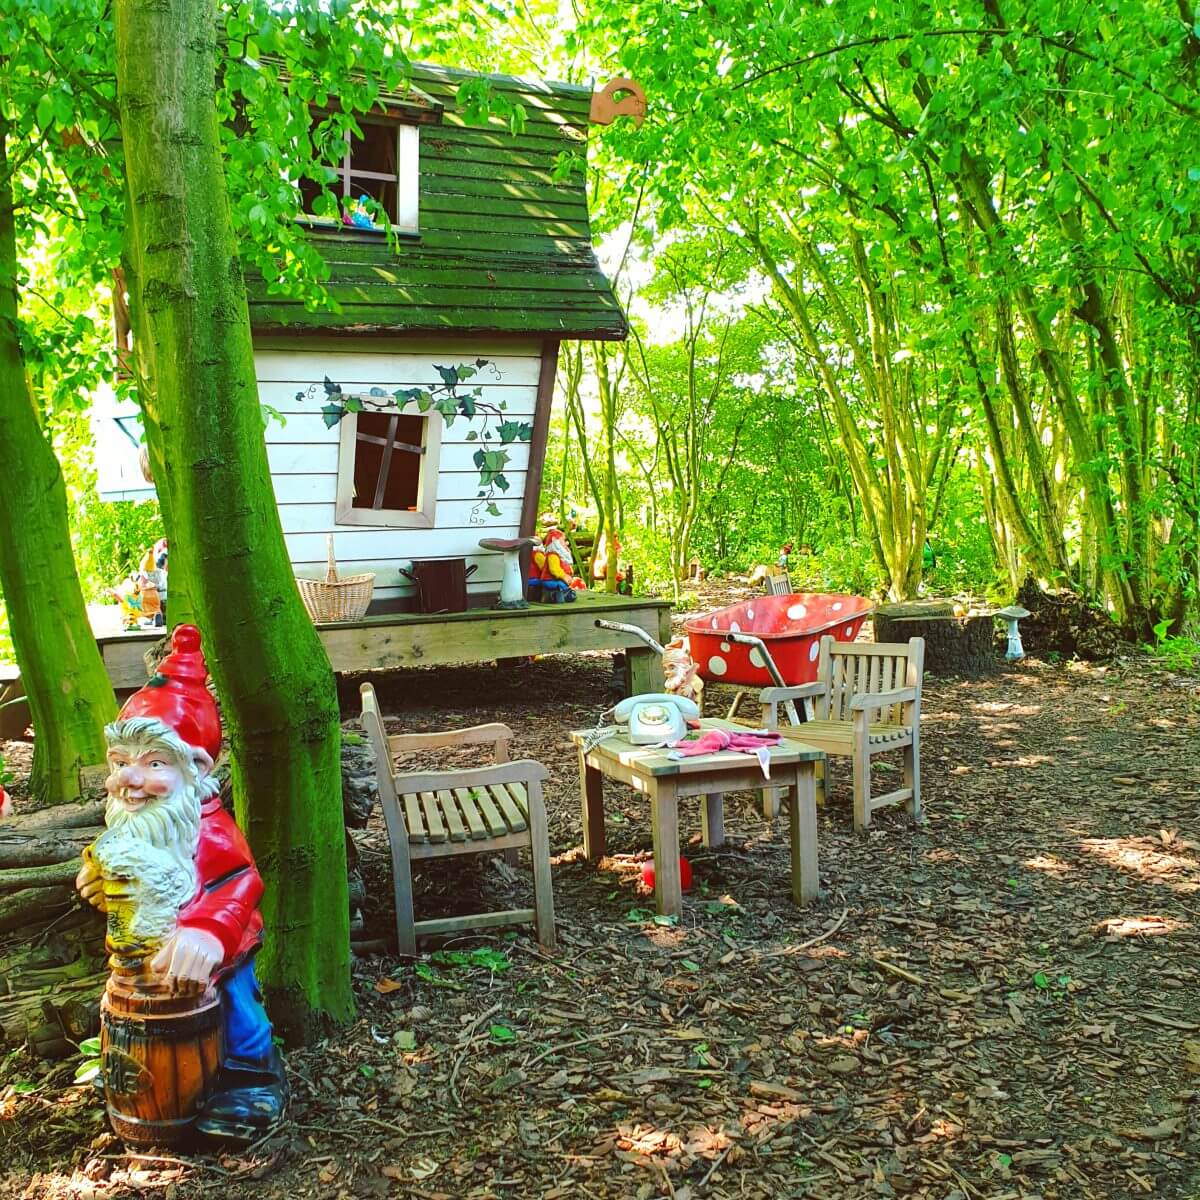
(247, 1028)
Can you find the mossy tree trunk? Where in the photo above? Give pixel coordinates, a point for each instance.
(69, 693)
(278, 692)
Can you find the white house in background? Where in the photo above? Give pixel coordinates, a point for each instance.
(495, 268)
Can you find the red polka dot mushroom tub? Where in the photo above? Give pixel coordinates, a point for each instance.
(791, 627)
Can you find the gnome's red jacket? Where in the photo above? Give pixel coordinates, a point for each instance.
(230, 887)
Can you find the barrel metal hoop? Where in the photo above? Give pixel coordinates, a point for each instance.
(175, 1027)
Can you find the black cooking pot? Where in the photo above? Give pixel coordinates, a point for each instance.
(441, 583)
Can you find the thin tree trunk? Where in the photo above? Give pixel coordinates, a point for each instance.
(68, 690)
(280, 700)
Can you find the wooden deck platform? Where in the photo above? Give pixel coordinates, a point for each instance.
(478, 635)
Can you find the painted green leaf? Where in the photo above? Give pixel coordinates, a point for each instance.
(332, 413)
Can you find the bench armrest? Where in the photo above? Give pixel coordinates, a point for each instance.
(865, 701)
(802, 691)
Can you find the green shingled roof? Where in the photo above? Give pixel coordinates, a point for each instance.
(502, 246)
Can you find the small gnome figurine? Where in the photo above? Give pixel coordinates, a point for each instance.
(557, 582)
(177, 880)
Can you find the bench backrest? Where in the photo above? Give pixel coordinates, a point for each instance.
(779, 585)
(851, 669)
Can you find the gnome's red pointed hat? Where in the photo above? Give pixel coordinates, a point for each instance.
(177, 695)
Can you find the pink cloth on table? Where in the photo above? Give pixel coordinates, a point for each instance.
(712, 741)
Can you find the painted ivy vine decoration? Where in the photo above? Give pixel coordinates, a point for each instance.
(496, 430)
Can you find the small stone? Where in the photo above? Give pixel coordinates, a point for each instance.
(844, 1065)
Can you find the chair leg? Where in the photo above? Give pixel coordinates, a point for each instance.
(406, 933)
(912, 779)
(862, 790)
(539, 847)
(512, 856)
(820, 774)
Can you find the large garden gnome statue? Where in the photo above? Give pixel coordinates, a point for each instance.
(186, 1043)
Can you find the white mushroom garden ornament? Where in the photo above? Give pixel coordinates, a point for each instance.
(1013, 614)
(512, 589)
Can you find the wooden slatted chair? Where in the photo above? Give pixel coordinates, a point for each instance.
(866, 701)
(434, 814)
(779, 584)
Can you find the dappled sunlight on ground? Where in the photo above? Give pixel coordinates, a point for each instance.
(1050, 864)
(1150, 926)
(1146, 858)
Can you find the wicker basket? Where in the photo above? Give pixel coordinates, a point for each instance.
(335, 598)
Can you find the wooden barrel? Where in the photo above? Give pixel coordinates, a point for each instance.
(160, 1054)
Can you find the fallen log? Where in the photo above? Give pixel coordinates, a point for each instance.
(34, 904)
(52, 1017)
(34, 849)
(17, 878)
(60, 816)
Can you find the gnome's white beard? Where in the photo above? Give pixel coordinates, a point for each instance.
(156, 848)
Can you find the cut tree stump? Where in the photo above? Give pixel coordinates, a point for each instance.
(953, 645)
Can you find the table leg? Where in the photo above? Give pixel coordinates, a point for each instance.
(712, 819)
(664, 819)
(802, 827)
(591, 795)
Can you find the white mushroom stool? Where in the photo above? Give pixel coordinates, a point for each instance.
(1013, 614)
(512, 586)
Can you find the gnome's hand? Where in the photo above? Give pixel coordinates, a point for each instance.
(90, 884)
(188, 958)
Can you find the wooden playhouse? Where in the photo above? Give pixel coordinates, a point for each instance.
(495, 268)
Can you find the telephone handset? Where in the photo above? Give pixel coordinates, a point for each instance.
(655, 717)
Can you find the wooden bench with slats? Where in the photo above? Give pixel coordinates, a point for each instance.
(434, 814)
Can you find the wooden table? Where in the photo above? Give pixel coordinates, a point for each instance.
(665, 781)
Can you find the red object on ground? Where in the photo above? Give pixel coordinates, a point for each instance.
(791, 626)
(6, 804)
(685, 874)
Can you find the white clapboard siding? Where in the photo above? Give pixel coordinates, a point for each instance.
(303, 455)
(513, 363)
(315, 458)
(320, 518)
(312, 488)
(517, 398)
(390, 584)
(355, 546)
(451, 514)
(455, 516)
(489, 568)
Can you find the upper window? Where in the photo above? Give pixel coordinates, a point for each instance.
(383, 164)
(387, 469)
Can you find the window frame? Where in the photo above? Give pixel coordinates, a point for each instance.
(406, 220)
(423, 516)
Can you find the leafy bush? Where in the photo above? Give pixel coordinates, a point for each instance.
(1177, 653)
